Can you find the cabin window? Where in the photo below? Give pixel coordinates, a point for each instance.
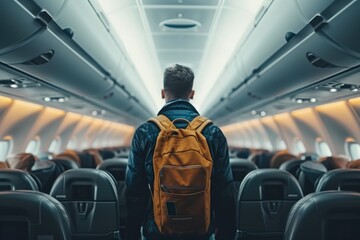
(33, 146)
(323, 149)
(71, 144)
(352, 149)
(281, 145)
(4, 149)
(299, 146)
(54, 145)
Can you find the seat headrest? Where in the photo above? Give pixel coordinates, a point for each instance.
(33, 213)
(281, 157)
(13, 179)
(85, 184)
(340, 179)
(292, 166)
(66, 164)
(269, 184)
(261, 158)
(115, 166)
(106, 154)
(96, 155)
(21, 161)
(242, 163)
(329, 215)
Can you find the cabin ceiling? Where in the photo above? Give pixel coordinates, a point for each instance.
(143, 28)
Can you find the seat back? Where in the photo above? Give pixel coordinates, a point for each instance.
(330, 215)
(261, 158)
(46, 172)
(292, 166)
(117, 168)
(13, 179)
(340, 179)
(265, 199)
(91, 199)
(240, 168)
(30, 215)
(310, 172)
(65, 164)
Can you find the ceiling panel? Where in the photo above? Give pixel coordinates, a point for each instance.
(181, 2)
(180, 41)
(203, 16)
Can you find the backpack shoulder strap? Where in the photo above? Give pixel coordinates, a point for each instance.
(162, 122)
(199, 123)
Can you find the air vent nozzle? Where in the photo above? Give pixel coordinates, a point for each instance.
(180, 24)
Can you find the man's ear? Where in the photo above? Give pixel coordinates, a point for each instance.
(192, 94)
(162, 93)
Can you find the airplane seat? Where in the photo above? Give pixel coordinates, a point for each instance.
(28, 215)
(87, 160)
(46, 172)
(14, 179)
(330, 215)
(240, 168)
(309, 174)
(71, 155)
(65, 163)
(340, 179)
(21, 161)
(281, 157)
(91, 199)
(243, 153)
(292, 166)
(261, 158)
(117, 168)
(334, 162)
(265, 199)
(106, 154)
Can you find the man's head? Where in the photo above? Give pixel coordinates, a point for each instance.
(178, 83)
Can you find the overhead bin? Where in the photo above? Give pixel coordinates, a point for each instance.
(89, 29)
(343, 27)
(11, 32)
(273, 22)
(50, 59)
(120, 101)
(312, 59)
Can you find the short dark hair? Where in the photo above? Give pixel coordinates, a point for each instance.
(178, 81)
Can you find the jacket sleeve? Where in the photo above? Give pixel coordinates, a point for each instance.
(137, 192)
(223, 190)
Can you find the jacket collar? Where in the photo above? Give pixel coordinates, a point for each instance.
(178, 104)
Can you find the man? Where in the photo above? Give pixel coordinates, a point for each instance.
(178, 83)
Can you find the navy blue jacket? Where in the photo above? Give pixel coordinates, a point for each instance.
(140, 175)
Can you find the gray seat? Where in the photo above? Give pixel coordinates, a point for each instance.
(117, 168)
(91, 199)
(340, 179)
(30, 215)
(292, 166)
(330, 215)
(13, 179)
(265, 199)
(309, 174)
(240, 168)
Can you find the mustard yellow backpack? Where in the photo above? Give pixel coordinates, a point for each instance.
(182, 171)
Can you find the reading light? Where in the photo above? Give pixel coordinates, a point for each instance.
(103, 112)
(47, 99)
(299, 100)
(263, 113)
(313, 100)
(61, 100)
(333, 90)
(94, 113)
(253, 112)
(355, 89)
(14, 86)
